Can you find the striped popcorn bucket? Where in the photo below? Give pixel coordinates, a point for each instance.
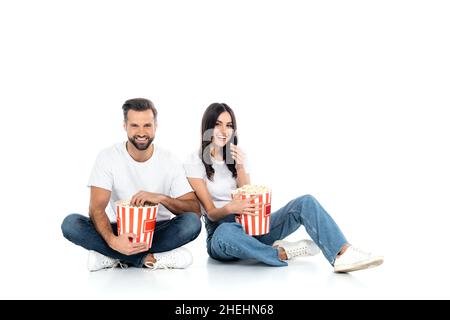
(260, 224)
(138, 220)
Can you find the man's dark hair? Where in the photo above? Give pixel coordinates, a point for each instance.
(138, 104)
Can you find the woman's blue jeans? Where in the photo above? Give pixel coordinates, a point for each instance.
(230, 242)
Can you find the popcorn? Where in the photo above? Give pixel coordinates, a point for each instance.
(126, 203)
(259, 224)
(138, 220)
(251, 189)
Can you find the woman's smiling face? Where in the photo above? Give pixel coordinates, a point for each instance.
(223, 130)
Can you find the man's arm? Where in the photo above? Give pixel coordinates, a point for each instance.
(99, 200)
(185, 203)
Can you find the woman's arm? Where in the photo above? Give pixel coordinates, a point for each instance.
(204, 196)
(215, 214)
(243, 177)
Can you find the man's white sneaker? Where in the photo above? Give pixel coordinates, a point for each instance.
(97, 261)
(179, 258)
(354, 259)
(302, 248)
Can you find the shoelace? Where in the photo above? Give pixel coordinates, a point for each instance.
(115, 264)
(298, 251)
(161, 265)
(155, 266)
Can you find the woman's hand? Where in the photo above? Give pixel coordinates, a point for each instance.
(238, 206)
(238, 155)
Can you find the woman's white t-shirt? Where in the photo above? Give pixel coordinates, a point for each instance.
(223, 182)
(115, 170)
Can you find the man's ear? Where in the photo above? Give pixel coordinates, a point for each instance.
(125, 125)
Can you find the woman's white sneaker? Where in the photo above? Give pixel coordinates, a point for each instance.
(354, 259)
(302, 248)
(179, 258)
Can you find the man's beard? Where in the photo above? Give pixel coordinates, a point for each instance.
(140, 146)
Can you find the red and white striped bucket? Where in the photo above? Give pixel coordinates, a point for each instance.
(138, 220)
(260, 224)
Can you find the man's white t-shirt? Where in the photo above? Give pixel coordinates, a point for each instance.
(223, 183)
(115, 170)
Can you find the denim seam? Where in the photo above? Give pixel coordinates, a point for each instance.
(290, 212)
(225, 245)
(307, 226)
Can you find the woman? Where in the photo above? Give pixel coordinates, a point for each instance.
(219, 168)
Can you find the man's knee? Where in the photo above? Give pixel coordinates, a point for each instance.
(72, 225)
(192, 224)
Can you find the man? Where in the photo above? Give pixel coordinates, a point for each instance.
(141, 172)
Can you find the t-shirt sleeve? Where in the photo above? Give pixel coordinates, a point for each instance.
(194, 167)
(101, 174)
(180, 185)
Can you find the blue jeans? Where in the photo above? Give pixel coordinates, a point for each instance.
(168, 235)
(230, 242)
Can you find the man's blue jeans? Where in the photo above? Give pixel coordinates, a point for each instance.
(168, 235)
(230, 242)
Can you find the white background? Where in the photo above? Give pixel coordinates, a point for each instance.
(345, 100)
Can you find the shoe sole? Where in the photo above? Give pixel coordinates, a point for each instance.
(355, 267)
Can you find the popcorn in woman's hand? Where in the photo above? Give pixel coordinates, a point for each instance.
(258, 224)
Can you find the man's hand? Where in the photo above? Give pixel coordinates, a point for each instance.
(140, 198)
(123, 245)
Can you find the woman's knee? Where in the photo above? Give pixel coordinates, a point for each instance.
(225, 236)
(228, 233)
(307, 205)
(307, 198)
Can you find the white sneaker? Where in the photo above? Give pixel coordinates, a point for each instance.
(354, 259)
(97, 261)
(302, 248)
(179, 258)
